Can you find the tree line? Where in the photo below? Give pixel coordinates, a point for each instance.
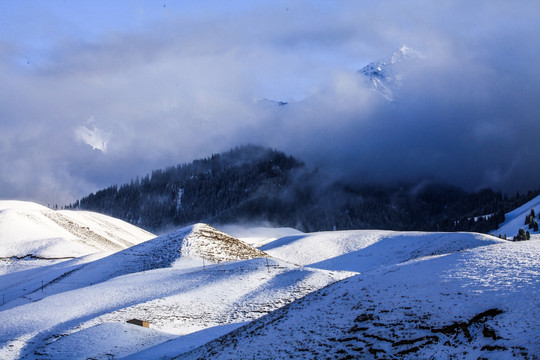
(253, 184)
(532, 223)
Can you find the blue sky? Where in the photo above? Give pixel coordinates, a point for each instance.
(42, 23)
(95, 93)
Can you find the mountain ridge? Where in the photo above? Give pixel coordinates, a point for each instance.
(382, 73)
(29, 229)
(253, 184)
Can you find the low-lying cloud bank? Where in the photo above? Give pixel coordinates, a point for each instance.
(191, 84)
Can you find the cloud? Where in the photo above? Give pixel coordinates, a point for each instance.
(93, 136)
(189, 83)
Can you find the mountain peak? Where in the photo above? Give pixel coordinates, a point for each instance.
(206, 242)
(383, 74)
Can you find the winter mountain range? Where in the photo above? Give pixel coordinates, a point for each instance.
(76, 284)
(70, 281)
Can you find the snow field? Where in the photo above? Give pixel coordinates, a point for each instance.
(179, 303)
(366, 294)
(478, 303)
(363, 250)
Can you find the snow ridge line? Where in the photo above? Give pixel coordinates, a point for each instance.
(35, 257)
(82, 233)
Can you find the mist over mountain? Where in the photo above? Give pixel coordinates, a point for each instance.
(464, 112)
(385, 75)
(348, 156)
(414, 115)
(252, 184)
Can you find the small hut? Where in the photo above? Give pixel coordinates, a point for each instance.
(138, 322)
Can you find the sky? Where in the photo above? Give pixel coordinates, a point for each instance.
(95, 93)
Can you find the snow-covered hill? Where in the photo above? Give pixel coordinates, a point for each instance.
(342, 294)
(31, 230)
(364, 250)
(515, 220)
(182, 248)
(193, 280)
(480, 303)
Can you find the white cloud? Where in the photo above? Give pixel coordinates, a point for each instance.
(93, 136)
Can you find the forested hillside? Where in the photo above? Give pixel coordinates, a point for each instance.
(255, 184)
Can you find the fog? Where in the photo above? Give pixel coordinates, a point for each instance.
(90, 101)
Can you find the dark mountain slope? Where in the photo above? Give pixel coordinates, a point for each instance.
(204, 189)
(256, 184)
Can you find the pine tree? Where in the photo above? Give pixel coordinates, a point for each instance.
(535, 226)
(520, 235)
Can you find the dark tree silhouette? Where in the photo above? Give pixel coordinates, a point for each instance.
(256, 184)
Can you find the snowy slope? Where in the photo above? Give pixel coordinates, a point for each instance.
(258, 236)
(176, 300)
(194, 280)
(478, 303)
(363, 250)
(180, 247)
(29, 229)
(342, 294)
(366, 251)
(515, 220)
